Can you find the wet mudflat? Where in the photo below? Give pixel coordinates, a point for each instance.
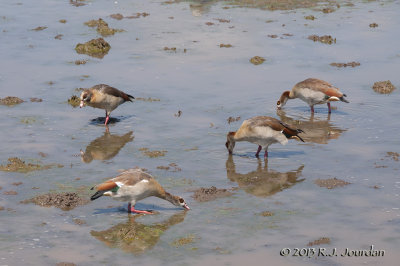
(340, 189)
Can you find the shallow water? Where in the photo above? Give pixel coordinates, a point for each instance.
(208, 84)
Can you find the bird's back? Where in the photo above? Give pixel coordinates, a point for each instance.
(317, 85)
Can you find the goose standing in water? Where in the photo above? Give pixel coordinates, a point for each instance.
(313, 91)
(263, 131)
(104, 97)
(134, 185)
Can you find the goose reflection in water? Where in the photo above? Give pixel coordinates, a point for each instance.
(263, 182)
(105, 147)
(317, 130)
(135, 237)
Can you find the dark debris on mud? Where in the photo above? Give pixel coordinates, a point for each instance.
(65, 201)
(207, 194)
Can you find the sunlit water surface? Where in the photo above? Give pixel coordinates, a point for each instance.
(208, 84)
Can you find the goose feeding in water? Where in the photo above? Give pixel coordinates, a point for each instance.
(263, 131)
(313, 91)
(104, 97)
(134, 185)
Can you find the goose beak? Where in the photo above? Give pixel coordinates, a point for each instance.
(82, 104)
(186, 207)
(334, 99)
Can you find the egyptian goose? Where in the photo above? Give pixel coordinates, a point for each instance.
(134, 185)
(104, 97)
(313, 91)
(263, 131)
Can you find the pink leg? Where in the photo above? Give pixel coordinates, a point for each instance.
(312, 109)
(329, 108)
(258, 151)
(129, 207)
(107, 118)
(266, 154)
(132, 209)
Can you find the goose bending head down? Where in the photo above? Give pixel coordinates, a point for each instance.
(104, 97)
(313, 91)
(134, 185)
(263, 131)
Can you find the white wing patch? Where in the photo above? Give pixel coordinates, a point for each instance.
(145, 181)
(119, 184)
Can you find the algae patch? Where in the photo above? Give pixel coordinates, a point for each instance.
(331, 183)
(10, 101)
(117, 16)
(149, 99)
(383, 87)
(65, 201)
(233, 119)
(74, 101)
(393, 155)
(36, 100)
(212, 193)
(184, 240)
(152, 154)
(320, 241)
(102, 27)
(39, 28)
(266, 213)
(350, 64)
(96, 47)
(327, 39)
(172, 166)
(257, 60)
(15, 164)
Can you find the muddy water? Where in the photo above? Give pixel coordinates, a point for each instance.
(208, 84)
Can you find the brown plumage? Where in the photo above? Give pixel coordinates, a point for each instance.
(313, 91)
(263, 131)
(104, 97)
(134, 185)
(105, 147)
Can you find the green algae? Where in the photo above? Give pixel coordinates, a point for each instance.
(15, 164)
(96, 47)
